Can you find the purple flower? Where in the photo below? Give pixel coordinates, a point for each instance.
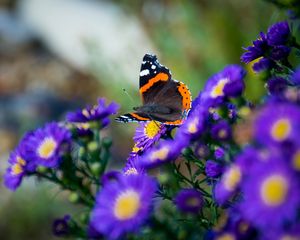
(219, 153)
(123, 206)
(194, 125)
(166, 151)
(202, 151)
(276, 85)
(133, 166)
(229, 183)
(95, 113)
(189, 200)
(148, 133)
(278, 123)
(263, 64)
(221, 131)
(60, 227)
(227, 83)
(213, 169)
(279, 52)
(19, 165)
(257, 50)
(271, 194)
(47, 145)
(278, 34)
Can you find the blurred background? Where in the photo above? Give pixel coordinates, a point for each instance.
(59, 55)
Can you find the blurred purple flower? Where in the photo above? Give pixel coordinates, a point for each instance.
(278, 34)
(95, 113)
(213, 169)
(271, 194)
(221, 131)
(60, 227)
(123, 206)
(226, 83)
(277, 123)
(19, 165)
(189, 200)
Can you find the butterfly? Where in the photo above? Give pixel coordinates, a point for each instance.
(164, 99)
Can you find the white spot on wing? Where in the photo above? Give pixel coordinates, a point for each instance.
(153, 66)
(144, 72)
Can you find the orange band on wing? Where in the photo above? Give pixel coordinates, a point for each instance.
(186, 96)
(139, 118)
(149, 84)
(177, 122)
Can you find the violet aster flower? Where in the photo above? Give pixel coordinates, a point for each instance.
(19, 165)
(258, 49)
(47, 145)
(263, 64)
(189, 200)
(60, 227)
(264, 52)
(219, 153)
(221, 131)
(279, 52)
(123, 206)
(148, 133)
(271, 194)
(166, 151)
(194, 125)
(227, 83)
(229, 183)
(132, 166)
(278, 34)
(95, 113)
(213, 169)
(278, 123)
(201, 150)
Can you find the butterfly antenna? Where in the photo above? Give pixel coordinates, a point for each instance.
(131, 99)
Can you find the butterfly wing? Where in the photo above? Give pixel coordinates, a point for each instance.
(168, 100)
(158, 89)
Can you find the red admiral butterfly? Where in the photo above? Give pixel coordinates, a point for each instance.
(164, 100)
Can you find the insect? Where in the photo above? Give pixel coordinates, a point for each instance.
(164, 100)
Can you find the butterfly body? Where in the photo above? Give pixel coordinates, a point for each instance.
(164, 99)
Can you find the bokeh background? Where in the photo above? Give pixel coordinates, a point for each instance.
(58, 55)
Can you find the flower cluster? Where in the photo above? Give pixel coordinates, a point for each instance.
(229, 171)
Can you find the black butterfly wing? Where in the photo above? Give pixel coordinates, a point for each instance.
(159, 91)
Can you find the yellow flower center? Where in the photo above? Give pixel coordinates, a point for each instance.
(47, 147)
(232, 177)
(193, 202)
(192, 127)
(85, 113)
(274, 189)
(151, 129)
(127, 205)
(289, 237)
(243, 227)
(131, 171)
(281, 129)
(222, 133)
(217, 90)
(18, 167)
(160, 154)
(296, 161)
(226, 236)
